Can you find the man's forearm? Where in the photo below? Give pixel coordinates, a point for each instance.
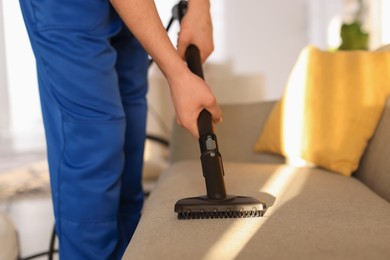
(199, 5)
(142, 18)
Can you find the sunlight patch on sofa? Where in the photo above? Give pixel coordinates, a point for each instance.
(281, 180)
(234, 239)
(293, 112)
(240, 233)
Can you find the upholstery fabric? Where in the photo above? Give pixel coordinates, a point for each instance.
(312, 215)
(330, 109)
(374, 169)
(241, 127)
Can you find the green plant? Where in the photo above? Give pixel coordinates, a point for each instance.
(352, 34)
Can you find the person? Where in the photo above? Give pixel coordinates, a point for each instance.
(91, 58)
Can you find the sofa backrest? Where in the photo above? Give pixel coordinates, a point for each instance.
(374, 168)
(242, 124)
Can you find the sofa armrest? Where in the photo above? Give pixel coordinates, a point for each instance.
(242, 124)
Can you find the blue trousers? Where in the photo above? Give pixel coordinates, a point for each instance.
(92, 75)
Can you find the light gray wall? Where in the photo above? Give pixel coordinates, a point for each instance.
(266, 37)
(25, 112)
(4, 108)
(256, 44)
(260, 38)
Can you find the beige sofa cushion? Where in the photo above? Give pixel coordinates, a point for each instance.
(242, 124)
(374, 169)
(312, 215)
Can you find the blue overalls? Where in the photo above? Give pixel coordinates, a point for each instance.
(92, 75)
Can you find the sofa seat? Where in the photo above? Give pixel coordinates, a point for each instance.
(312, 214)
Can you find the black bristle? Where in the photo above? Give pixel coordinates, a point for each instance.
(220, 214)
(230, 207)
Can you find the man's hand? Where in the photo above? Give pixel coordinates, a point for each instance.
(190, 95)
(196, 28)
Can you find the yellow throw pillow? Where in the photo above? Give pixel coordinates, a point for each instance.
(330, 108)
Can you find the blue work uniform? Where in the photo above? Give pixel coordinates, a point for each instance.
(92, 75)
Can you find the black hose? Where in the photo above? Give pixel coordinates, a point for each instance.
(49, 253)
(52, 242)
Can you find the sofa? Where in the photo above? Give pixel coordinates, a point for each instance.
(311, 213)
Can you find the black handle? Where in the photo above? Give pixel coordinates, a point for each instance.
(210, 157)
(211, 160)
(179, 10)
(192, 56)
(193, 60)
(195, 65)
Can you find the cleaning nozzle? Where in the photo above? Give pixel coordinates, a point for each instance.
(231, 207)
(216, 204)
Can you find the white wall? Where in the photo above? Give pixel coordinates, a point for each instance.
(256, 44)
(325, 20)
(265, 37)
(256, 41)
(4, 111)
(24, 104)
(385, 30)
(257, 38)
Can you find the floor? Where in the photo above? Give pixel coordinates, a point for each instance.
(31, 215)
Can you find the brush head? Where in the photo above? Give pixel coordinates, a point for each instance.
(230, 207)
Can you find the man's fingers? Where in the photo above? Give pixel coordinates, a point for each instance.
(191, 126)
(214, 110)
(182, 43)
